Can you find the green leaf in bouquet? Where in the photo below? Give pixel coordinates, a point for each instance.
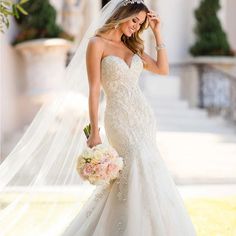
(87, 130)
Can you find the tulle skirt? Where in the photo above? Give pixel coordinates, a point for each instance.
(143, 201)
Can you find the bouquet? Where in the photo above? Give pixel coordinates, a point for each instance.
(100, 164)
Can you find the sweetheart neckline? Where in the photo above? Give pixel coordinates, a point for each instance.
(131, 63)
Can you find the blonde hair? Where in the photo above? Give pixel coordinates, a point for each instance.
(121, 15)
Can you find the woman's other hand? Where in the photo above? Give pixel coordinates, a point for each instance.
(93, 140)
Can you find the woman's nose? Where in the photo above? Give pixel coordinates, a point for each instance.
(135, 26)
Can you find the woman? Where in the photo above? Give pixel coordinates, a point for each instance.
(144, 200)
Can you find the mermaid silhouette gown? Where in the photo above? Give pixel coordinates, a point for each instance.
(144, 201)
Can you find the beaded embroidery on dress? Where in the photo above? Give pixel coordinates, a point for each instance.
(144, 200)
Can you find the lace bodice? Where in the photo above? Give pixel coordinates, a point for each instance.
(118, 75)
(126, 106)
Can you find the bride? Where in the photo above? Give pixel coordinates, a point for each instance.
(144, 200)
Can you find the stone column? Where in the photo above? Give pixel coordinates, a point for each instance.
(89, 11)
(71, 17)
(230, 23)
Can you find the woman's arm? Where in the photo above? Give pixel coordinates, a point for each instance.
(93, 61)
(160, 65)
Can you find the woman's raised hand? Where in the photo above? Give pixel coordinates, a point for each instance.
(154, 21)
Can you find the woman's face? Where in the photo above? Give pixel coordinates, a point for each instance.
(134, 24)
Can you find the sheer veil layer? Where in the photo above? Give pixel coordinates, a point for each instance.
(44, 159)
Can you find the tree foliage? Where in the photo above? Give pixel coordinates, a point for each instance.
(8, 8)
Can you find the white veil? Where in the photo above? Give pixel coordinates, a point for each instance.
(44, 160)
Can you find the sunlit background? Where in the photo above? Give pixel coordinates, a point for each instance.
(195, 105)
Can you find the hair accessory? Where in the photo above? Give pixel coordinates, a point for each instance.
(126, 2)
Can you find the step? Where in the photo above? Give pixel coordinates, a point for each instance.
(167, 103)
(189, 125)
(191, 113)
(167, 86)
(170, 128)
(187, 120)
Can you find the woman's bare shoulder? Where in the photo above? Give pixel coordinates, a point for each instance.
(96, 42)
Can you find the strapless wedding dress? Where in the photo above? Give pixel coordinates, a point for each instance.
(144, 201)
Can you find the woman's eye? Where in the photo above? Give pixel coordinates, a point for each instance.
(134, 21)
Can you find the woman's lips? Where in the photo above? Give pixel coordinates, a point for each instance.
(131, 30)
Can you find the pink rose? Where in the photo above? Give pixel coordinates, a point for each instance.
(110, 168)
(88, 169)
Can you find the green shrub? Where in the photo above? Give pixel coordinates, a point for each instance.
(40, 22)
(210, 38)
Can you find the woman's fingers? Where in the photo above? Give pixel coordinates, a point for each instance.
(154, 18)
(153, 15)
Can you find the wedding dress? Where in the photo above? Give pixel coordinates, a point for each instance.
(144, 201)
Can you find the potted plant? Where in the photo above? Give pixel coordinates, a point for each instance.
(211, 39)
(44, 46)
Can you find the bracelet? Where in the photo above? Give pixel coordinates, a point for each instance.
(160, 46)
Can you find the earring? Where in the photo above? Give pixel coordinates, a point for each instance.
(117, 25)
